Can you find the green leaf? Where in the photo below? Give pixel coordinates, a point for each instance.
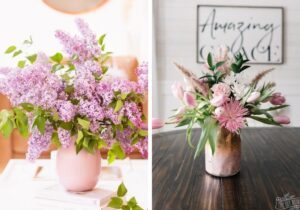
(209, 60)
(137, 207)
(184, 121)
(7, 128)
(58, 57)
(101, 39)
(219, 64)
(40, 122)
(66, 125)
(21, 122)
(206, 129)
(115, 203)
(118, 106)
(143, 133)
(32, 58)
(86, 142)
(111, 156)
(276, 107)
(101, 143)
(124, 96)
(16, 53)
(121, 190)
(118, 151)
(132, 202)
(21, 64)
(189, 134)
(79, 136)
(265, 120)
(55, 139)
(84, 123)
(212, 137)
(235, 68)
(27, 106)
(10, 49)
(125, 207)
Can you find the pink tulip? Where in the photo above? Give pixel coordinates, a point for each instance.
(189, 99)
(177, 90)
(180, 111)
(253, 97)
(157, 123)
(277, 99)
(219, 100)
(282, 119)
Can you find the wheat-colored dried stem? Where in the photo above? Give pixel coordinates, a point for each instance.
(260, 75)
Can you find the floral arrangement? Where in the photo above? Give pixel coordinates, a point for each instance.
(224, 97)
(61, 97)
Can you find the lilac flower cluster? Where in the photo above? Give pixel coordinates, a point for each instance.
(38, 142)
(85, 47)
(91, 98)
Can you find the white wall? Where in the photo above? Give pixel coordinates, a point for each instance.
(175, 25)
(124, 22)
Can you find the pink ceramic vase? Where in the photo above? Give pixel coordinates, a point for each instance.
(78, 172)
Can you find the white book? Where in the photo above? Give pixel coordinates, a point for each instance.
(97, 197)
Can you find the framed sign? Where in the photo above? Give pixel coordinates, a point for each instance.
(256, 32)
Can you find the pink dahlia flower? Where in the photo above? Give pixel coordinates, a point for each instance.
(233, 116)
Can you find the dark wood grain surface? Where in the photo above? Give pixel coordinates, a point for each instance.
(270, 168)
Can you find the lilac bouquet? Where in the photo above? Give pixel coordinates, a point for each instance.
(64, 97)
(224, 97)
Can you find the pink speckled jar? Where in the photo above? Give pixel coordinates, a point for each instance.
(78, 172)
(226, 161)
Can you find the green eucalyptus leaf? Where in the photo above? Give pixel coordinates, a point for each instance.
(10, 49)
(121, 190)
(115, 203)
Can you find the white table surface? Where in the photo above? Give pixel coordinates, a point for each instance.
(18, 187)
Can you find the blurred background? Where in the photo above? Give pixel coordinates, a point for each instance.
(124, 22)
(175, 39)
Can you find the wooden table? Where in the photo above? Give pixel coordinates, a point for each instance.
(270, 168)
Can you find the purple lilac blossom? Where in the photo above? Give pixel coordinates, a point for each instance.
(66, 110)
(38, 142)
(64, 137)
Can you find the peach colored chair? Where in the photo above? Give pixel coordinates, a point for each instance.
(16, 146)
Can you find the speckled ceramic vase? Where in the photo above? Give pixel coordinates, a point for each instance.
(78, 172)
(226, 161)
